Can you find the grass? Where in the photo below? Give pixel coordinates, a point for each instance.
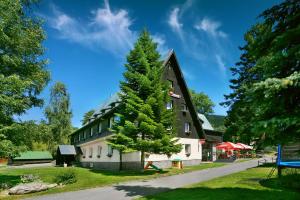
(249, 184)
(87, 178)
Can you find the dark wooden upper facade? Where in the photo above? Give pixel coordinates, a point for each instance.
(188, 125)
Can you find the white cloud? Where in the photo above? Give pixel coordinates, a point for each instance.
(210, 27)
(174, 23)
(161, 44)
(221, 64)
(107, 29)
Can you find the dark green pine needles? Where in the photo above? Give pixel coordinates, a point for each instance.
(143, 120)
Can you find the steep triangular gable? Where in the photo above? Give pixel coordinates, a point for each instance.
(184, 89)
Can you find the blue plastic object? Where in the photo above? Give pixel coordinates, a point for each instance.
(290, 164)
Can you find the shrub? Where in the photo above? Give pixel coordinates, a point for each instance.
(65, 178)
(28, 178)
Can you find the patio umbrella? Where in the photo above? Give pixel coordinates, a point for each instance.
(246, 147)
(229, 146)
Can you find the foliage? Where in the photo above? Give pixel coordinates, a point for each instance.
(87, 116)
(65, 178)
(143, 118)
(58, 114)
(22, 69)
(202, 102)
(265, 102)
(217, 122)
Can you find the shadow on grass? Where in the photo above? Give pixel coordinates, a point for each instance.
(143, 190)
(224, 194)
(290, 182)
(149, 172)
(11, 180)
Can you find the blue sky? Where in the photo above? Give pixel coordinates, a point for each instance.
(87, 43)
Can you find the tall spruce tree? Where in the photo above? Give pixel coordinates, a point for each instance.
(265, 102)
(144, 121)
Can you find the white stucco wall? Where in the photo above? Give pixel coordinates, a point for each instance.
(128, 157)
(196, 152)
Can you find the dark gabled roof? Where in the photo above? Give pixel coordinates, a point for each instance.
(185, 91)
(107, 105)
(34, 155)
(67, 149)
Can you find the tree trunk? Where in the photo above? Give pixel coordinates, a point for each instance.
(142, 160)
(121, 161)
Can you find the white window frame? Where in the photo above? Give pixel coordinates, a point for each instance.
(110, 150)
(83, 153)
(100, 127)
(187, 127)
(188, 149)
(111, 121)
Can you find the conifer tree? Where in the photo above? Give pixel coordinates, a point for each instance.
(144, 121)
(265, 98)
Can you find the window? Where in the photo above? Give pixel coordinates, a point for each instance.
(91, 152)
(109, 150)
(91, 132)
(83, 153)
(184, 107)
(187, 127)
(169, 66)
(86, 133)
(169, 105)
(95, 129)
(79, 136)
(99, 127)
(99, 151)
(187, 148)
(110, 122)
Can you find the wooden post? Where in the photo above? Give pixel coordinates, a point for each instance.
(279, 171)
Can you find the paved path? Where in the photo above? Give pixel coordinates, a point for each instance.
(134, 189)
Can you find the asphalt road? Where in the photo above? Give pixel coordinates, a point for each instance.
(134, 189)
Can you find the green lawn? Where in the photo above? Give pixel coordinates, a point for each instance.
(88, 178)
(249, 184)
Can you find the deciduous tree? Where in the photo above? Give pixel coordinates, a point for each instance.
(22, 69)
